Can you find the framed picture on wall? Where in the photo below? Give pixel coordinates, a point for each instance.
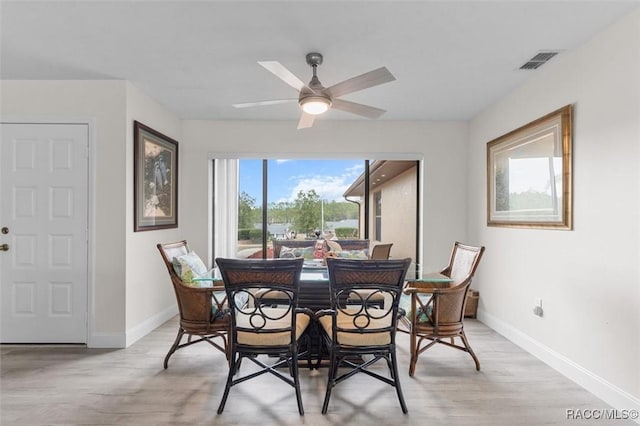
(155, 179)
(529, 177)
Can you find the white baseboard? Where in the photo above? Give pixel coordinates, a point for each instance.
(608, 392)
(123, 340)
(106, 340)
(150, 324)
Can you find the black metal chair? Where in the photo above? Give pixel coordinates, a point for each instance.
(354, 327)
(257, 326)
(379, 252)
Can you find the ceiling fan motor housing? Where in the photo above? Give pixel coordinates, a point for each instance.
(308, 96)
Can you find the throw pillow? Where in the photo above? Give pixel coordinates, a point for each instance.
(189, 266)
(307, 253)
(354, 254)
(294, 252)
(287, 252)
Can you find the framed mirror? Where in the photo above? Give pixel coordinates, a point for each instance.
(529, 182)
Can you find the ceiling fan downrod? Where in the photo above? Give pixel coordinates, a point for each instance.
(315, 59)
(313, 99)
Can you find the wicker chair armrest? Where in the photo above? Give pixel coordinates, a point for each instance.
(425, 287)
(456, 289)
(445, 291)
(204, 290)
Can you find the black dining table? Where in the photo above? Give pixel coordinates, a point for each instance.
(314, 287)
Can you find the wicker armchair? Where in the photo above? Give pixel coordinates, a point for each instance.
(258, 327)
(354, 327)
(201, 309)
(437, 311)
(380, 252)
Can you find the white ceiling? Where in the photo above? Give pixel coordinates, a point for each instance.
(451, 59)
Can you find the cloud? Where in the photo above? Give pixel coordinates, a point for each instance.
(355, 171)
(330, 179)
(327, 187)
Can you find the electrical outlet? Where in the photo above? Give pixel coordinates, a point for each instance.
(537, 308)
(537, 311)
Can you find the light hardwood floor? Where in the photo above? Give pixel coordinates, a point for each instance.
(79, 386)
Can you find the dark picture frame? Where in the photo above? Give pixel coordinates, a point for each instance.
(155, 179)
(529, 174)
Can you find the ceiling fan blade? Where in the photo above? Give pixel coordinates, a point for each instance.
(363, 81)
(283, 74)
(358, 109)
(306, 120)
(263, 103)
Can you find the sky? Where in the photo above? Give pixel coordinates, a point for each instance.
(329, 178)
(532, 174)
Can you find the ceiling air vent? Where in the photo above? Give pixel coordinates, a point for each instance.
(540, 59)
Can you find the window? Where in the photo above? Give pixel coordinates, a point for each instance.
(306, 199)
(377, 196)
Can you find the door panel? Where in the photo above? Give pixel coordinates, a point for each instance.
(43, 282)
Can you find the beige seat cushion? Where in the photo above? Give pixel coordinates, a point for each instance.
(357, 339)
(371, 295)
(265, 295)
(271, 339)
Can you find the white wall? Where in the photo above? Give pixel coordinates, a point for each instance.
(150, 299)
(398, 214)
(588, 278)
(130, 290)
(442, 144)
(102, 103)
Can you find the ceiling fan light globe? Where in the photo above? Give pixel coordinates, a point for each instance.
(315, 105)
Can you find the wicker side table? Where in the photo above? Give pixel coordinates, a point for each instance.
(471, 308)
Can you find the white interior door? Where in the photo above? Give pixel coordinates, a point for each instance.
(43, 222)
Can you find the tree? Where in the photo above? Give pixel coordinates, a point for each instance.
(247, 211)
(335, 211)
(502, 189)
(280, 212)
(307, 211)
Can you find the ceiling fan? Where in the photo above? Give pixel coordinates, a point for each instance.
(315, 99)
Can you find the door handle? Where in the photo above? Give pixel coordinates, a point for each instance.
(4, 247)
